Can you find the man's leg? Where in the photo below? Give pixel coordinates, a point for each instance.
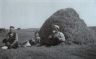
(16, 45)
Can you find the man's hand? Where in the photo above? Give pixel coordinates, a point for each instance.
(50, 36)
(11, 45)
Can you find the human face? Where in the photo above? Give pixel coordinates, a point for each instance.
(12, 30)
(54, 31)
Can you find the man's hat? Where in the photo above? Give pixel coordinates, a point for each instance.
(56, 26)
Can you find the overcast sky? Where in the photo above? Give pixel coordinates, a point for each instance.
(33, 13)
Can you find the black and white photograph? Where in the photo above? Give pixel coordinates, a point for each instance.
(47, 29)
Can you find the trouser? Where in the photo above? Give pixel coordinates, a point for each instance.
(54, 41)
(16, 45)
(8, 44)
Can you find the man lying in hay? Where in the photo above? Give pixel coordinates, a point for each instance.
(11, 40)
(56, 37)
(33, 41)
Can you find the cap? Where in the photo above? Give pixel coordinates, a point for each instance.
(56, 26)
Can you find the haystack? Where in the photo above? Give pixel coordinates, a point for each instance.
(74, 28)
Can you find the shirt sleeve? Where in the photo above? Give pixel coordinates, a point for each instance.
(62, 37)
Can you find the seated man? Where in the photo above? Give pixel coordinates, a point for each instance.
(56, 37)
(11, 40)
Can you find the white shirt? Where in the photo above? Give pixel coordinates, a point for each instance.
(60, 36)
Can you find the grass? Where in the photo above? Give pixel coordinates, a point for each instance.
(61, 51)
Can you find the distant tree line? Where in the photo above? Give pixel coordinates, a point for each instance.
(2, 30)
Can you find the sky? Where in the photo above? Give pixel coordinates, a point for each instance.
(33, 13)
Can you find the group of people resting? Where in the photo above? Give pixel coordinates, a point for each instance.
(11, 40)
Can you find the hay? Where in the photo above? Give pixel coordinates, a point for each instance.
(74, 28)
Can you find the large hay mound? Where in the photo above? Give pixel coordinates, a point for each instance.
(71, 25)
(93, 28)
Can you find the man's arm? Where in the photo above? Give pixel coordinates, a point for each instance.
(62, 37)
(16, 37)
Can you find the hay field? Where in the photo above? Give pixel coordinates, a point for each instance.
(61, 51)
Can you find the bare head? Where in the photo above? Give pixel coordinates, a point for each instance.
(12, 29)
